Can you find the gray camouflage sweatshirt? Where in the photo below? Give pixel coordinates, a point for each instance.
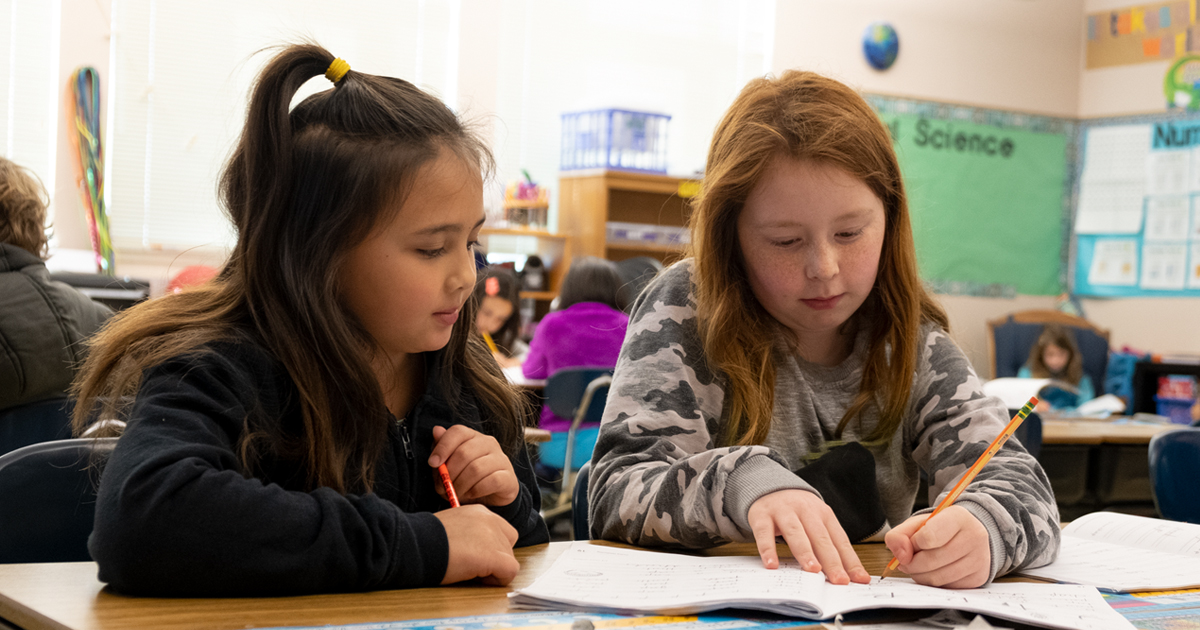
(659, 479)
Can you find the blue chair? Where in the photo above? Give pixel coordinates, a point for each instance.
(48, 491)
(35, 422)
(1030, 432)
(580, 394)
(1175, 474)
(579, 504)
(1011, 338)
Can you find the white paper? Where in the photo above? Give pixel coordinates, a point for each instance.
(1194, 171)
(1110, 208)
(1194, 268)
(1167, 172)
(1195, 231)
(1101, 406)
(1164, 266)
(1114, 262)
(1121, 552)
(1167, 218)
(1014, 392)
(1117, 153)
(608, 579)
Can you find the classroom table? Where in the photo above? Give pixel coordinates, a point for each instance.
(1091, 431)
(67, 596)
(1096, 464)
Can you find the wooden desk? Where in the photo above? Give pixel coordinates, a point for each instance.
(1099, 464)
(67, 596)
(1088, 431)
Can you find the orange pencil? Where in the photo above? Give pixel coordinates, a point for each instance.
(450, 494)
(974, 470)
(491, 344)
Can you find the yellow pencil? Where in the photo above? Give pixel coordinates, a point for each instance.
(491, 344)
(970, 476)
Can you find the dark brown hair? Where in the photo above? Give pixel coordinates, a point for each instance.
(1054, 334)
(23, 203)
(302, 188)
(590, 279)
(510, 289)
(802, 115)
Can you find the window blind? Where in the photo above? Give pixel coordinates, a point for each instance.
(181, 74)
(29, 84)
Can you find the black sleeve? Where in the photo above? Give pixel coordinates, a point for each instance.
(175, 516)
(524, 513)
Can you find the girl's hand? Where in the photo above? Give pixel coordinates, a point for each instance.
(478, 467)
(810, 530)
(480, 546)
(952, 550)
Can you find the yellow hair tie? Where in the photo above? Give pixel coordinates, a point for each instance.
(337, 70)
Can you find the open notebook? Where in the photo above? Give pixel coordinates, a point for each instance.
(1121, 553)
(596, 578)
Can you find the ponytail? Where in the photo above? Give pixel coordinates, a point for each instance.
(301, 188)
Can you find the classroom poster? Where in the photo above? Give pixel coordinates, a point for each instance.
(1137, 220)
(986, 194)
(1142, 33)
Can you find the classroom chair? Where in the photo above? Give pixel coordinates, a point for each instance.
(35, 422)
(579, 504)
(1174, 473)
(1011, 337)
(580, 394)
(48, 491)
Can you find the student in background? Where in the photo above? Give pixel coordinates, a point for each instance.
(288, 416)
(42, 322)
(1055, 355)
(499, 319)
(793, 376)
(586, 331)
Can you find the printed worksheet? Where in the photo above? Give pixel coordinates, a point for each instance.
(608, 579)
(1121, 553)
(1114, 261)
(1167, 218)
(1111, 208)
(1167, 172)
(1164, 265)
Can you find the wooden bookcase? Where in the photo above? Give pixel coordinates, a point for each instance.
(588, 200)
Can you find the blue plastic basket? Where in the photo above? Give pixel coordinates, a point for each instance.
(1177, 409)
(616, 139)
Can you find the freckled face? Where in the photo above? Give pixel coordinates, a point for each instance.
(407, 281)
(811, 236)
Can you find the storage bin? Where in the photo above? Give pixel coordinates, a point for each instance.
(1177, 409)
(618, 232)
(615, 138)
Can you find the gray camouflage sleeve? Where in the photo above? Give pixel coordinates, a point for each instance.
(952, 425)
(657, 477)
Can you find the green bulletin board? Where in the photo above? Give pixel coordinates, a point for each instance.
(988, 192)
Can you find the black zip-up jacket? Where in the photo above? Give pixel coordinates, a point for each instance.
(175, 516)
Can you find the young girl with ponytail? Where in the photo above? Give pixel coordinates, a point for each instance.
(285, 421)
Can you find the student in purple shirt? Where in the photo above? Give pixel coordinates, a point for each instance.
(586, 331)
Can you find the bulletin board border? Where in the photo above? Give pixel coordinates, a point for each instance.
(1081, 257)
(1005, 119)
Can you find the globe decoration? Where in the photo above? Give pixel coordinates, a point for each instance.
(880, 45)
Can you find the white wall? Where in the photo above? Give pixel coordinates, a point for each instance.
(1004, 54)
(1008, 54)
(1120, 90)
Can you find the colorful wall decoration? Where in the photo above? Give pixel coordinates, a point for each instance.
(1142, 33)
